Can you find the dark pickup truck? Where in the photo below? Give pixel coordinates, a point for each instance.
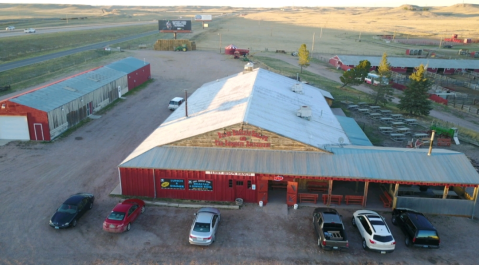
(329, 229)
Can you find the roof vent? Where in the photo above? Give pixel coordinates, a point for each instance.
(304, 112)
(70, 88)
(248, 67)
(297, 88)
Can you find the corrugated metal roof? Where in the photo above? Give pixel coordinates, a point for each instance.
(57, 95)
(353, 162)
(411, 62)
(127, 65)
(260, 98)
(353, 131)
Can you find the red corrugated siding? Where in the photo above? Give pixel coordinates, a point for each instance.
(33, 116)
(137, 182)
(221, 188)
(138, 77)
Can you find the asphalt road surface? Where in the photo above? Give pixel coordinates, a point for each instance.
(39, 59)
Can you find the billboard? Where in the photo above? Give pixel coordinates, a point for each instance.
(203, 17)
(174, 25)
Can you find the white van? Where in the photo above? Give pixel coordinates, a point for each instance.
(175, 103)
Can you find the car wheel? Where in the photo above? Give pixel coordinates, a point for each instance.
(143, 209)
(128, 227)
(91, 205)
(365, 247)
(74, 223)
(353, 221)
(408, 242)
(394, 220)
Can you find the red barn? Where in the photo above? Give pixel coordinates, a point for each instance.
(44, 113)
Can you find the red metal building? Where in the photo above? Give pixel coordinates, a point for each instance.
(246, 134)
(45, 112)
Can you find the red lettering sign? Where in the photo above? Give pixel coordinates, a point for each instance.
(278, 178)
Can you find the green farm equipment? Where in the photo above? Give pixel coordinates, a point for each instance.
(449, 132)
(182, 48)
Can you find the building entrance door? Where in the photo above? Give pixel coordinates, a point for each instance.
(240, 189)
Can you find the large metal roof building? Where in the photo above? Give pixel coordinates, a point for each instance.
(246, 134)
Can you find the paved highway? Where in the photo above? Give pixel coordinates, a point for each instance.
(13, 65)
(43, 30)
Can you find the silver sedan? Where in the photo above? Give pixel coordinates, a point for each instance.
(204, 227)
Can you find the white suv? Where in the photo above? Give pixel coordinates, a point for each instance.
(374, 231)
(29, 30)
(10, 28)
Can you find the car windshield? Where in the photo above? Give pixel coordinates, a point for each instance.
(383, 238)
(117, 216)
(201, 227)
(173, 103)
(67, 208)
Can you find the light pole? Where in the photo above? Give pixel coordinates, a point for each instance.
(220, 41)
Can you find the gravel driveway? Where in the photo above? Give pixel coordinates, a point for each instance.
(38, 177)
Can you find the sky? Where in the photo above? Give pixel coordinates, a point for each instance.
(253, 3)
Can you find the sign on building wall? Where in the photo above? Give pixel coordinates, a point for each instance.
(175, 184)
(242, 138)
(203, 185)
(229, 173)
(174, 25)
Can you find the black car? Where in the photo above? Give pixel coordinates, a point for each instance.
(71, 210)
(416, 227)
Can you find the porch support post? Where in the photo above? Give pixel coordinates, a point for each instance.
(474, 197)
(446, 190)
(330, 190)
(395, 195)
(365, 195)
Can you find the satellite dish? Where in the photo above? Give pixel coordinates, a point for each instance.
(341, 140)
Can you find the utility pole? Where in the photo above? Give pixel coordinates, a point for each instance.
(312, 47)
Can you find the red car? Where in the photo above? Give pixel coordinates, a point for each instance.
(123, 215)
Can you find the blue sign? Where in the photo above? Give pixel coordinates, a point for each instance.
(204, 185)
(175, 184)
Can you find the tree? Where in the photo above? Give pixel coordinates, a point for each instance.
(383, 92)
(415, 97)
(356, 75)
(303, 57)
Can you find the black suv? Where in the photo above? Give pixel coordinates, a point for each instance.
(417, 228)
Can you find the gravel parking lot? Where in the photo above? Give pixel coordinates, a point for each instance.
(38, 177)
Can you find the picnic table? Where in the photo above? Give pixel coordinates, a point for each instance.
(397, 124)
(420, 135)
(403, 130)
(385, 112)
(396, 116)
(346, 102)
(439, 193)
(411, 122)
(387, 120)
(363, 110)
(398, 137)
(353, 107)
(375, 116)
(385, 130)
(375, 108)
(404, 190)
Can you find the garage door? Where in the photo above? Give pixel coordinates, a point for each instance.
(14, 128)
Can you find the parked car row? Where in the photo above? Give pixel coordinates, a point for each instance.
(374, 230)
(202, 232)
